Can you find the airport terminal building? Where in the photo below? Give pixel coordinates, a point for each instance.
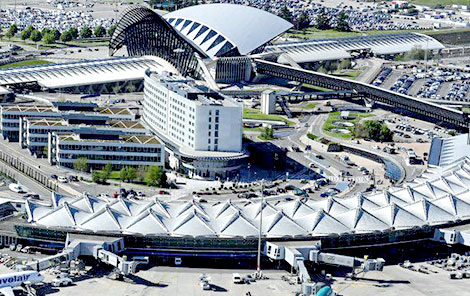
(229, 229)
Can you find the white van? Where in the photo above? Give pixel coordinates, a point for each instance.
(16, 188)
(178, 261)
(236, 278)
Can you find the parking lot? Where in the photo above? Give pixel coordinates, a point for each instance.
(436, 83)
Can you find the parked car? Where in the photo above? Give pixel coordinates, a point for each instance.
(16, 188)
(62, 179)
(61, 282)
(54, 177)
(73, 178)
(31, 195)
(236, 278)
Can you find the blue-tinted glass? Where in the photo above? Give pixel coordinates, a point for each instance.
(193, 27)
(186, 23)
(226, 47)
(211, 34)
(216, 42)
(201, 31)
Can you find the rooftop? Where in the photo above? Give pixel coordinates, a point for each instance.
(85, 72)
(72, 137)
(109, 124)
(341, 48)
(438, 197)
(50, 109)
(188, 88)
(219, 28)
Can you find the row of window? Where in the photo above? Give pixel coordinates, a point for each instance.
(111, 157)
(110, 148)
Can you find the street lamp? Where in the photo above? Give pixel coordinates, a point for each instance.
(258, 265)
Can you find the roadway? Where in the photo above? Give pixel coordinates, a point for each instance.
(293, 139)
(73, 188)
(410, 172)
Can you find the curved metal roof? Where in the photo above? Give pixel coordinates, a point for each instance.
(219, 28)
(341, 48)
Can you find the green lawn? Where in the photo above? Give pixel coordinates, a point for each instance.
(312, 136)
(315, 88)
(25, 64)
(312, 33)
(250, 113)
(335, 116)
(309, 106)
(433, 3)
(351, 74)
(253, 129)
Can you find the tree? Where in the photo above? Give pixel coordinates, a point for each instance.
(81, 164)
(140, 174)
(111, 30)
(127, 174)
(323, 21)
(100, 31)
(322, 70)
(85, 32)
(25, 34)
(96, 177)
(106, 173)
(343, 25)
(417, 53)
(56, 34)
(360, 131)
(13, 29)
(73, 32)
(36, 36)
(49, 38)
(123, 174)
(8, 35)
(154, 176)
(267, 134)
(45, 31)
(373, 130)
(66, 36)
(131, 173)
(286, 14)
(302, 21)
(344, 64)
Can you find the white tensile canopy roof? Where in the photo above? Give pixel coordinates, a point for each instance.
(438, 196)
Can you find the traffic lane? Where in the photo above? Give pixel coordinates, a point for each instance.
(29, 184)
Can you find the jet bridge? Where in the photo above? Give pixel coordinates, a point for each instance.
(296, 253)
(101, 248)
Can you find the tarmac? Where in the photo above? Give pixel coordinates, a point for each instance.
(171, 281)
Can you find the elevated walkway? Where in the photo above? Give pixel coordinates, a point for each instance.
(419, 108)
(101, 248)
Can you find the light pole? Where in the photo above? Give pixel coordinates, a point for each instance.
(258, 265)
